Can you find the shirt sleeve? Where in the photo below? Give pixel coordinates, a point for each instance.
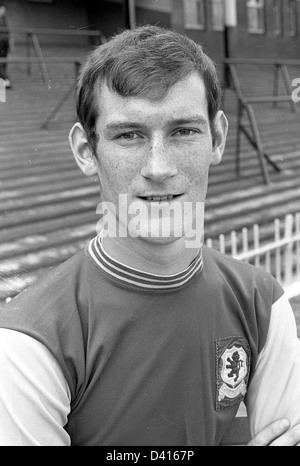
(34, 395)
(274, 391)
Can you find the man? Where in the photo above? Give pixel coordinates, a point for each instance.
(147, 337)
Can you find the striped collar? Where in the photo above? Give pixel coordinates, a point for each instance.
(136, 278)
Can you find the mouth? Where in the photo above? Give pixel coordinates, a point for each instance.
(160, 198)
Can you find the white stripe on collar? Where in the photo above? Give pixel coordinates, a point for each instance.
(134, 277)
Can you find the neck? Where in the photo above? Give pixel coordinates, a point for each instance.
(162, 259)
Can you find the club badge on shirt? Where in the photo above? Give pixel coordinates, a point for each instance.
(232, 371)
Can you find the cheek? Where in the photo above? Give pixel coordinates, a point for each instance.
(195, 164)
(116, 170)
(195, 168)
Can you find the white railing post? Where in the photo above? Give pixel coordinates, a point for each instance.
(277, 249)
(209, 243)
(222, 246)
(245, 240)
(288, 251)
(268, 262)
(233, 238)
(256, 244)
(297, 232)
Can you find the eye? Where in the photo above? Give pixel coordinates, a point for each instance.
(186, 132)
(130, 136)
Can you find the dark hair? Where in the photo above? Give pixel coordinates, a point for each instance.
(145, 61)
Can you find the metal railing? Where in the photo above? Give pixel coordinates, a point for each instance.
(245, 105)
(33, 43)
(280, 256)
(57, 60)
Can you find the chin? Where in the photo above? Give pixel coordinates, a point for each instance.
(154, 235)
(159, 240)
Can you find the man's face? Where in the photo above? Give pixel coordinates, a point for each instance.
(156, 154)
(2, 11)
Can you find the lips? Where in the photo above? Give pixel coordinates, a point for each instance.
(160, 198)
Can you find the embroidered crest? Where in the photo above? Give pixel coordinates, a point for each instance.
(233, 365)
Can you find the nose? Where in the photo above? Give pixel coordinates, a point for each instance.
(158, 163)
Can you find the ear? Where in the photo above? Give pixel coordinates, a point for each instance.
(219, 137)
(81, 150)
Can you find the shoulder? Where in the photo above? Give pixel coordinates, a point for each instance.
(46, 308)
(51, 284)
(42, 302)
(240, 275)
(245, 291)
(61, 283)
(53, 312)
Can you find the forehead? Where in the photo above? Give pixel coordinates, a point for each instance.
(185, 98)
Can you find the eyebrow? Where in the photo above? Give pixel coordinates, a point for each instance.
(119, 125)
(195, 119)
(122, 125)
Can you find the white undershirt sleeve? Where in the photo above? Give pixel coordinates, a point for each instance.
(274, 391)
(34, 395)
